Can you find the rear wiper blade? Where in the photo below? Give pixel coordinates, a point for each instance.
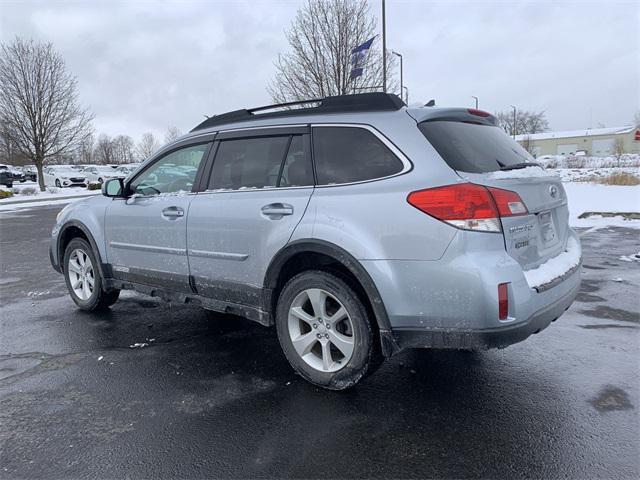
(517, 166)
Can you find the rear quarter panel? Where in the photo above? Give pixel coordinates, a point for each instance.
(372, 220)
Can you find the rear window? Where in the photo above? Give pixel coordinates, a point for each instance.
(472, 148)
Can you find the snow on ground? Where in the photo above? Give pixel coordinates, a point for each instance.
(52, 196)
(49, 193)
(572, 161)
(589, 197)
(587, 174)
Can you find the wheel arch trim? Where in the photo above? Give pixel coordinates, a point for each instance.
(94, 246)
(343, 257)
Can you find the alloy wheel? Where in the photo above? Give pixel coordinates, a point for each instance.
(81, 274)
(321, 330)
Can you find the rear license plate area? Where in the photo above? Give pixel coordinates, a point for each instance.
(547, 228)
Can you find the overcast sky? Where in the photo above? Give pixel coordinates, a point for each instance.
(145, 65)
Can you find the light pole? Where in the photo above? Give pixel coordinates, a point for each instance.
(384, 49)
(514, 120)
(473, 96)
(401, 70)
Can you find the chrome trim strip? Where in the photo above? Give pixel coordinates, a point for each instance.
(238, 257)
(147, 248)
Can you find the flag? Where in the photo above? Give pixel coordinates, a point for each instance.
(358, 56)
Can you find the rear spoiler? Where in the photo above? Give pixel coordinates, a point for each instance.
(467, 115)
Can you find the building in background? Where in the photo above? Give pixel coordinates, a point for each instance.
(595, 142)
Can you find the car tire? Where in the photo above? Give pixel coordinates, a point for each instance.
(80, 269)
(333, 354)
(58, 184)
(100, 180)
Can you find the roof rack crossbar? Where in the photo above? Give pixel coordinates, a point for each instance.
(360, 102)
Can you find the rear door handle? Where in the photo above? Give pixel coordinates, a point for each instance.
(173, 212)
(277, 209)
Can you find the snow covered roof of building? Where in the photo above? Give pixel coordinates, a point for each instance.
(589, 132)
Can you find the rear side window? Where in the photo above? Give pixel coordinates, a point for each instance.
(351, 154)
(248, 163)
(472, 148)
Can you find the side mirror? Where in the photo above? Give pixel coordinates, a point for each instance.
(114, 187)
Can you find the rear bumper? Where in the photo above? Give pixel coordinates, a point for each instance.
(499, 337)
(453, 302)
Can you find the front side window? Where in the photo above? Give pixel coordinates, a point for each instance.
(351, 154)
(173, 173)
(261, 162)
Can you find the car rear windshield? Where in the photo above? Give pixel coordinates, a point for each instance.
(473, 148)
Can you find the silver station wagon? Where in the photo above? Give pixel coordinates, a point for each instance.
(357, 226)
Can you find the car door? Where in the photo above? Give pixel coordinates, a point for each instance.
(145, 234)
(258, 190)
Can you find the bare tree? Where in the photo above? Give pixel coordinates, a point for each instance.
(172, 134)
(147, 146)
(39, 102)
(321, 38)
(527, 122)
(103, 152)
(123, 149)
(85, 150)
(618, 149)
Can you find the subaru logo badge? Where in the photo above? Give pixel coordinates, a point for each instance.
(553, 191)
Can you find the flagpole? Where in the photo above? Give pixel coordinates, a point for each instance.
(384, 49)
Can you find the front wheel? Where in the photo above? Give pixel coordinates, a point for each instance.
(83, 278)
(325, 331)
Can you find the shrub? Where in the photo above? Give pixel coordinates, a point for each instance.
(5, 194)
(52, 189)
(29, 191)
(94, 186)
(15, 190)
(618, 178)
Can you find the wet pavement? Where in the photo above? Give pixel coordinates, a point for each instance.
(212, 395)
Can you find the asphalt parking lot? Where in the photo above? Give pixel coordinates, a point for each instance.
(213, 396)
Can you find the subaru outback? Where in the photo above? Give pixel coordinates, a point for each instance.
(355, 225)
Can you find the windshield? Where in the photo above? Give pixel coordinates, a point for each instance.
(473, 148)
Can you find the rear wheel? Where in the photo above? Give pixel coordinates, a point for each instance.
(58, 184)
(83, 278)
(325, 332)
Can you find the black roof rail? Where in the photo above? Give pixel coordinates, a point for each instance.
(360, 102)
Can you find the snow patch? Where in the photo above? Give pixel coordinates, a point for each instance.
(527, 172)
(555, 267)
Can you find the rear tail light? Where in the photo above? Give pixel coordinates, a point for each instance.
(468, 206)
(503, 301)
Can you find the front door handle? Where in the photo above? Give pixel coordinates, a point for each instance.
(173, 212)
(277, 210)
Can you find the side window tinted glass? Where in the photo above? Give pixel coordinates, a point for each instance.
(297, 170)
(174, 172)
(351, 154)
(248, 163)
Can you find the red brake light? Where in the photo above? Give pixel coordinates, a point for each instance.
(468, 206)
(503, 301)
(478, 113)
(509, 203)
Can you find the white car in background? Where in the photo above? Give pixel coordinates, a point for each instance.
(99, 173)
(63, 176)
(124, 171)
